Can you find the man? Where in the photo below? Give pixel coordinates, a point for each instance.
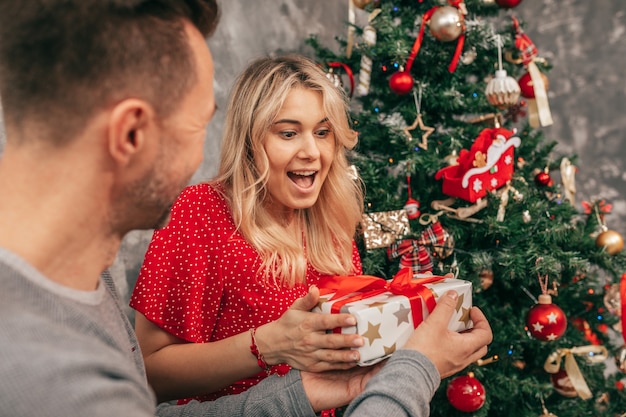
(105, 106)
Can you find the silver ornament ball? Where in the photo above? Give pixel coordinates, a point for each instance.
(447, 23)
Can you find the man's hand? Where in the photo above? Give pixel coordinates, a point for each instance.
(331, 389)
(450, 351)
(304, 339)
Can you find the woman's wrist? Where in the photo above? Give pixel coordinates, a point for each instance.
(254, 350)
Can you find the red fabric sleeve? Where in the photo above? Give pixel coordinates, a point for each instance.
(179, 286)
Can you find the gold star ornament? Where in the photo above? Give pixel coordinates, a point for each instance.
(426, 129)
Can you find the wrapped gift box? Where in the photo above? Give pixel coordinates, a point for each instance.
(381, 229)
(388, 312)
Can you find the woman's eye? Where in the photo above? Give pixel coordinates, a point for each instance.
(323, 132)
(288, 134)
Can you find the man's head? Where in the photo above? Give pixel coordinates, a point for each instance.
(62, 60)
(126, 85)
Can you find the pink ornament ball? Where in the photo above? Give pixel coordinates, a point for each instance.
(508, 4)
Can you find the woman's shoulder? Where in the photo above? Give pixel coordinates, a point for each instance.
(204, 193)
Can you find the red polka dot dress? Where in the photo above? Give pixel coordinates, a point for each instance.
(199, 278)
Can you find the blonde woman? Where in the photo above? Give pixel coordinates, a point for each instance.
(214, 292)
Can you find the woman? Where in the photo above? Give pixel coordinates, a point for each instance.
(215, 288)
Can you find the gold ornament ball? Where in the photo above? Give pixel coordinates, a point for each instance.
(611, 241)
(361, 3)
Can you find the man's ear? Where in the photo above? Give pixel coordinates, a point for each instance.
(129, 125)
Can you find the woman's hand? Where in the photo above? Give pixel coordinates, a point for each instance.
(300, 338)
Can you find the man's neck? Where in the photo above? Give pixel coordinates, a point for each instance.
(56, 220)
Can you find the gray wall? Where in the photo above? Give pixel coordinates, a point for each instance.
(584, 41)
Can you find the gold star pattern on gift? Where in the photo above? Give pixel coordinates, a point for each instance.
(402, 314)
(426, 129)
(465, 316)
(389, 349)
(459, 302)
(372, 332)
(378, 304)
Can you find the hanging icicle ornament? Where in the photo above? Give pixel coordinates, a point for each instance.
(351, 27)
(545, 321)
(502, 91)
(446, 23)
(336, 78)
(418, 122)
(539, 109)
(365, 70)
(568, 180)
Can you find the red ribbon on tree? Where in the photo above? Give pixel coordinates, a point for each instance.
(348, 71)
(418, 41)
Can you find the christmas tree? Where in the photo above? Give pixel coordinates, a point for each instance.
(449, 100)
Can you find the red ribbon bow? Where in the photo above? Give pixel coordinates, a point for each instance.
(413, 253)
(404, 283)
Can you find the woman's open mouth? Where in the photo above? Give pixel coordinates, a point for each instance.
(303, 179)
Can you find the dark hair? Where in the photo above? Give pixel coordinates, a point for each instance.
(61, 60)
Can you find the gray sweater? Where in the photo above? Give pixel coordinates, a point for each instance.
(70, 353)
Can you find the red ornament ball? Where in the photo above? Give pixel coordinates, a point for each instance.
(412, 208)
(563, 385)
(543, 179)
(508, 4)
(546, 321)
(527, 87)
(466, 393)
(401, 82)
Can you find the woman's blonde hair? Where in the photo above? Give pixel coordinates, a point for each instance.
(329, 225)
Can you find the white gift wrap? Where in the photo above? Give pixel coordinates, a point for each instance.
(386, 322)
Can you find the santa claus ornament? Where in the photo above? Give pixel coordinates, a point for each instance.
(411, 206)
(488, 165)
(546, 321)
